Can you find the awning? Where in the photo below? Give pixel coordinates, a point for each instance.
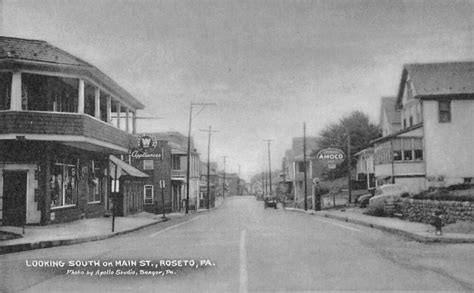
(127, 169)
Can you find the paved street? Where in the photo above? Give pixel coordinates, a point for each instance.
(243, 247)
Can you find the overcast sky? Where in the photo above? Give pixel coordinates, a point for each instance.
(269, 65)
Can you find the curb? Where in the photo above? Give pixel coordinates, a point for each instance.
(5, 249)
(411, 235)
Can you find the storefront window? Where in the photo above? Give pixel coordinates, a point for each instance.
(63, 184)
(95, 183)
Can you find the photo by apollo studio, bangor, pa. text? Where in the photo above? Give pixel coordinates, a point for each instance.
(236, 146)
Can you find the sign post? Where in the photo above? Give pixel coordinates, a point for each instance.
(332, 157)
(162, 186)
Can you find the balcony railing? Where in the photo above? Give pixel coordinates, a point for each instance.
(178, 174)
(55, 126)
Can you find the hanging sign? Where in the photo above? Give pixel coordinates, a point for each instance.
(147, 148)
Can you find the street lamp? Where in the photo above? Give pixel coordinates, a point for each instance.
(188, 155)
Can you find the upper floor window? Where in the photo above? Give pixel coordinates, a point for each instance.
(147, 164)
(301, 167)
(175, 162)
(5, 88)
(444, 111)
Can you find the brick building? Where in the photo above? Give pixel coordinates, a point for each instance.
(61, 119)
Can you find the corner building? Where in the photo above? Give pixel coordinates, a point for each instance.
(61, 120)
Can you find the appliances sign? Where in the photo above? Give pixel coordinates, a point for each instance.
(147, 148)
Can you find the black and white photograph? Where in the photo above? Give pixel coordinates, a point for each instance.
(236, 146)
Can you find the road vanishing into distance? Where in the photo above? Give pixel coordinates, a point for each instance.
(242, 247)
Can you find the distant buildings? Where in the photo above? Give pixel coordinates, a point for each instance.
(293, 168)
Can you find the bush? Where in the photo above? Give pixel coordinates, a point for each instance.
(461, 186)
(443, 195)
(375, 211)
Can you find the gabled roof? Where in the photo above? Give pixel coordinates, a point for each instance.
(177, 141)
(439, 79)
(389, 107)
(31, 53)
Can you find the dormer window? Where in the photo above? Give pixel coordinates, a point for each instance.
(444, 111)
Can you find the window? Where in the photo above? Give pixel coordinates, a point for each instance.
(404, 123)
(444, 111)
(148, 194)
(301, 167)
(467, 180)
(95, 182)
(147, 164)
(411, 120)
(63, 184)
(407, 149)
(5, 88)
(397, 149)
(175, 162)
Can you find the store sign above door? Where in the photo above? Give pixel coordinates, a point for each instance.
(147, 148)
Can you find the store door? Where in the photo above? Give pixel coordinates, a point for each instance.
(14, 198)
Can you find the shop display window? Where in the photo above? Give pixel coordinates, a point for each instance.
(63, 184)
(95, 183)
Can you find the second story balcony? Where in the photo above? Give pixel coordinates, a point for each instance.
(77, 130)
(47, 94)
(179, 175)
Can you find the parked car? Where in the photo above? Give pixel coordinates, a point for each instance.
(387, 195)
(363, 200)
(270, 202)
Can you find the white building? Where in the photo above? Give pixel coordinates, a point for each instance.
(433, 147)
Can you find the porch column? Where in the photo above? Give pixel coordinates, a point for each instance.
(80, 105)
(127, 118)
(119, 109)
(109, 109)
(46, 183)
(15, 102)
(134, 122)
(97, 102)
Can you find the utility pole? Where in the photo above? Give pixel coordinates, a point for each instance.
(269, 165)
(188, 154)
(209, 163)
(238, 183)
(223, 182)
(349, 184)
(304, 172)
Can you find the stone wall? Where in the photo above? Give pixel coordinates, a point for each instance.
(422, 210)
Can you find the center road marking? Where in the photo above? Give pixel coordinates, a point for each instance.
(243, 263)
(174, 226)
(339, 225)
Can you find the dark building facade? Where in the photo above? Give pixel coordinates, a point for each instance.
(61, 119)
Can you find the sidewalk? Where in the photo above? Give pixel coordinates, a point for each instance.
(417, 231)
(79, 231)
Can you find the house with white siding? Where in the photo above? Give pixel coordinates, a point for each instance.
(433, 146)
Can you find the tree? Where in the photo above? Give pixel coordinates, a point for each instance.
(361, 131)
